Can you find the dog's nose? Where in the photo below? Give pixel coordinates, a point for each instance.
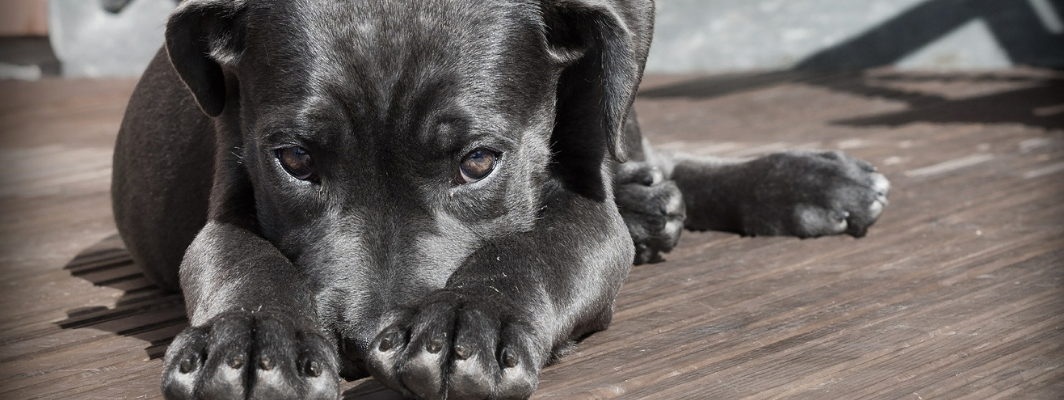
(354, 349)
(353, 365)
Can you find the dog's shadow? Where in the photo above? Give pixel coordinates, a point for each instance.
(143, 310)
(146, 312)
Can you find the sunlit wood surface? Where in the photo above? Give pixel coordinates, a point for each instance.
(956, 293)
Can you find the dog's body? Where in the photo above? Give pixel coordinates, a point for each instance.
(428, 192)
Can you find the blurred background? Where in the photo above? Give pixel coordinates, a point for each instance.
(116, 38)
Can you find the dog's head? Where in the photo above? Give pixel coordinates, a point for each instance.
(404, 133)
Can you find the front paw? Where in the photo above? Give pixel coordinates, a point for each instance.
(813, 193)
(454, 347)
(244, 355)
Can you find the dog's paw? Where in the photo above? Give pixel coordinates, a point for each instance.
(454, 347)
(653, 210)
(245, 355)
(813, 193)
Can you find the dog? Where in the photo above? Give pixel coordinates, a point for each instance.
(442, 194)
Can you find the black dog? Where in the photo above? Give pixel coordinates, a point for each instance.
(430, 192)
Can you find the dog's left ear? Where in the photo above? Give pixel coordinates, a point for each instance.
(202, 36)
(603, 47)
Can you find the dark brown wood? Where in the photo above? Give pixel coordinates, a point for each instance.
(957, 293)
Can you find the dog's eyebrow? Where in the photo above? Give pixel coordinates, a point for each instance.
(459, 127)
(489, 125)
(490, 136)
(281, 128)
(502, 139)
(286, 135)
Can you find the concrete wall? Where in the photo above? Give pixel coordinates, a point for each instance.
(94, 38)
(735, 35)
(691, 35)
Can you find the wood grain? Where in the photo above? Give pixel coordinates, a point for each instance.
(956, 293)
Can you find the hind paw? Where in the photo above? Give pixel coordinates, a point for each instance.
(652, 208)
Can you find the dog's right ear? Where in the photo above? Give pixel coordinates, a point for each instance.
(202, 38)
(603, 47)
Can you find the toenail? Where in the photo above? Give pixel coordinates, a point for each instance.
(265, 363)
(386, 344)
(313, 368)
(461, 352)
(185, 366)
(434, 346)
(236, 361)
(508, 358)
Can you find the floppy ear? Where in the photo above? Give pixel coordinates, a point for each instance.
(201, 38)
(604, 45)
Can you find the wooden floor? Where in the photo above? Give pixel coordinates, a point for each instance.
(956, 293)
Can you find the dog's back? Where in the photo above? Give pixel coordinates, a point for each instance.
(163, 169)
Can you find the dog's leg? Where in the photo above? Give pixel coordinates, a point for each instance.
(253, 328)
(652, 206)
(796, 193)
(254, 332)
(509, 309)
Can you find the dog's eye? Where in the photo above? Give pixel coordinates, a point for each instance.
(476, 165)
(297, 162)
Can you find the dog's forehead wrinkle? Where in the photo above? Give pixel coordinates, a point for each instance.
(301, 116)
(381, 39)
(387, 58)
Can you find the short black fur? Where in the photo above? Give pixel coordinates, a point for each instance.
(384, 263)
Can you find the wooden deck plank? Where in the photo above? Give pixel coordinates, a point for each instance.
(955, 293)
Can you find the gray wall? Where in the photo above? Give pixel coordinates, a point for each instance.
(93, 42)
(735, 35)
(693, 35)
